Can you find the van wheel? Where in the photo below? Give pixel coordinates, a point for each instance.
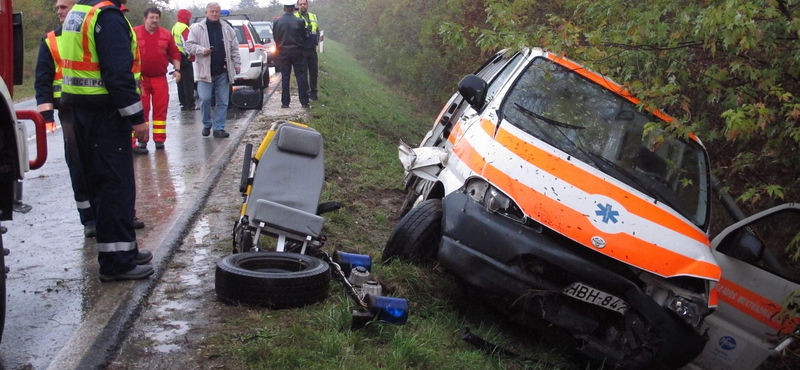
(272, 279)
(417, 235)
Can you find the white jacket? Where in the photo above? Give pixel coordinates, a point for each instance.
(198, 42)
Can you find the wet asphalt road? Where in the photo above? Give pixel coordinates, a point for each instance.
(58, 313)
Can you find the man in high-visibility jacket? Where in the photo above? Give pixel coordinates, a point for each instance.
(98, 49)
(48, 97)
(310, 47)
(157, 50)
(180, 32)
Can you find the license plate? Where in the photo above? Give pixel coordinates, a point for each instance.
(597, 297)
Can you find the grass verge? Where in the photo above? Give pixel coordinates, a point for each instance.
(362, 122)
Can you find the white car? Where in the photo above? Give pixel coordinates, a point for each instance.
(254, 72)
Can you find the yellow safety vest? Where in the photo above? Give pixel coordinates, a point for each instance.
(312, 18)
(52, 43)
(80, 66)
(177, 34)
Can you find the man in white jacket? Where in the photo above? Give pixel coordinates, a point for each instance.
(217, 61)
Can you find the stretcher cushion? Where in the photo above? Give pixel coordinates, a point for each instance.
(285, 218)
(300, 141)
(291, 171)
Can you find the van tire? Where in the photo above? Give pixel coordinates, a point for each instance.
(417, 235)
(272, 279)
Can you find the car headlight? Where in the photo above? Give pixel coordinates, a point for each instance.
(686, 297)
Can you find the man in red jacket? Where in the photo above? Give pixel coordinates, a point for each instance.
(157, 49)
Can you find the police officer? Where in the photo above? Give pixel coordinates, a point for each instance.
(48, 97)
(98, 53)
(290, 36)
(310, 47)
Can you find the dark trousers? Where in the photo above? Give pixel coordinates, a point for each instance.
(71, 155)
(312, 61)
(296, 60)
(186, 86)
(104, 146)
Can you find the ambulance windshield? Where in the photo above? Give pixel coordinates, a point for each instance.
(592, 123)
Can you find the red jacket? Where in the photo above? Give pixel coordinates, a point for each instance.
(157, 50)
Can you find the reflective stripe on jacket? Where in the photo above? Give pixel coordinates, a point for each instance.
(52, 44)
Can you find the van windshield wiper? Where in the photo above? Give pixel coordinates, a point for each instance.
(547, 119)
(642, 185)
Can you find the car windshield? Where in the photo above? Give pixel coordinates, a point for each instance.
(599, 127)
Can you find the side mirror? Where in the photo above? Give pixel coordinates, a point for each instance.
(744, 246)
(266, 40)
(473, 89)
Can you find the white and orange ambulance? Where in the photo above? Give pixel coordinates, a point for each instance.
(560, 195)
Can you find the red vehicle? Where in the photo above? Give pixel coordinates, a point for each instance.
(14, 160)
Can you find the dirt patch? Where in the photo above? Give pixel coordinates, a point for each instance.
(176, 330)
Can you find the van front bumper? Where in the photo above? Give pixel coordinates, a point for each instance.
(480, 247)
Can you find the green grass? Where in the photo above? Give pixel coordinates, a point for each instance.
(362, 122)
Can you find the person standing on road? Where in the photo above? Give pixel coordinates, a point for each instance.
(157, 50)
(310, 47)
(48, 98)
(290, 36)
(180, 32)
(98, 51)
(216, 51)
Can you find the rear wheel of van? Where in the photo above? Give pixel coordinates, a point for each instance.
(417, 235)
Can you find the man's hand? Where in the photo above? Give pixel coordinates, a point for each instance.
(177, 76)
(238, 70)
(206, 51)
(142, 132)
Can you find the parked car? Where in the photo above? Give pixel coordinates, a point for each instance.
(254, 72)
(264, 30)
(551, 189)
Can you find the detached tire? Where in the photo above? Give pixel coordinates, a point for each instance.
(272, 279)
(417, 235)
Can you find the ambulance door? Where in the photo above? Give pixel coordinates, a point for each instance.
(759, 292)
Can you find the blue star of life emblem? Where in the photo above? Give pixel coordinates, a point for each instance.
(607, 213)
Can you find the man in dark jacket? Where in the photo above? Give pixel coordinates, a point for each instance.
(98, 54)
(290, 34)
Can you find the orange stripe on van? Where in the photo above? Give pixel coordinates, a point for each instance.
(576, 226)
(592, 184)
(762, 309)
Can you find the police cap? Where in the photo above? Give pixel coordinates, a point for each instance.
(288, 2)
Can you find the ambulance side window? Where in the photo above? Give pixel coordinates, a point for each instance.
(771, 244)
(502, 78)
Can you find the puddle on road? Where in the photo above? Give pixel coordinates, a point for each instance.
(201, 229)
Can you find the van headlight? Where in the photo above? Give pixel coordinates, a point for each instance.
(686, 297)
(494, 200)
